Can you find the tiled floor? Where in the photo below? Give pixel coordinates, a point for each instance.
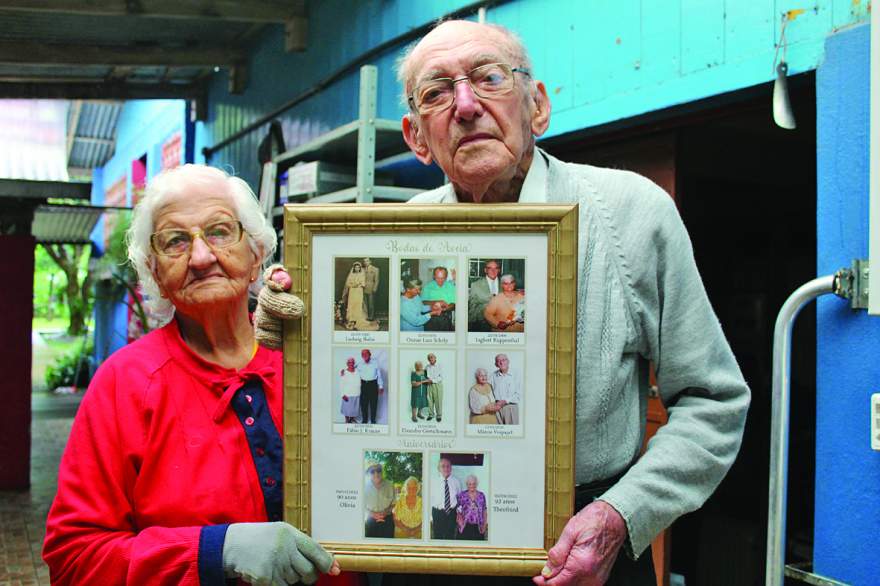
(23, 513)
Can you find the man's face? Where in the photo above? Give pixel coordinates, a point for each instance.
(491, 269)
(367, 262)
(365, 354)
(440, 277)
(475, 141)
(432, 359)
(376, 476)
(445, 468)
(502, 362)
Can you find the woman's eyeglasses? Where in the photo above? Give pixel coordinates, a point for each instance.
(174, 242)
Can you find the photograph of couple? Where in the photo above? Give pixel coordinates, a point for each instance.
(361, 294)
(496, 394)
(427, 294)
(393, 495)
(360, 390)
(459, 502)
(428, 387)
(496, 295)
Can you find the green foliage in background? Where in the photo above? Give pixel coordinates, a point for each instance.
(72, 369)
(397, 466)
(49, 287)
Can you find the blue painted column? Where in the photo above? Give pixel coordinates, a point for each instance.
(847, 522)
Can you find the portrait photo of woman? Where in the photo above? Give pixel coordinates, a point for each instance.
(408, 510)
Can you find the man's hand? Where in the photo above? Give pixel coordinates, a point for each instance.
(345, 398)
(381, 390)
(378, 517)
(274, 554)
(587, 549)
(274, 304)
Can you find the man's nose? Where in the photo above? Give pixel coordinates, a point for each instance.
(467, 103)
(200, 254)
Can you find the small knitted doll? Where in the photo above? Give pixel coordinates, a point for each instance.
(274, 304)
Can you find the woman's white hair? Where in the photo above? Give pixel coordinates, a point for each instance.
(259, 232)
(470, 477)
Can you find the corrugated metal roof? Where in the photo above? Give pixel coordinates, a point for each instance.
(95, 133)
(64, 224)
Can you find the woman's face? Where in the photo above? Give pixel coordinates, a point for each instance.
(350, 364)
(418, 366)
(203, 276)
(481, 377)
(471, 484)
(412, 488)
(356, 268)
(508, 286)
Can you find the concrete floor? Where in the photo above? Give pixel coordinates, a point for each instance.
(23, 513)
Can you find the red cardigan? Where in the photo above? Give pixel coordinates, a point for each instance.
(156, 464)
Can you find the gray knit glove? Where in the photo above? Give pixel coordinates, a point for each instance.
(274, 304)
(273, 554)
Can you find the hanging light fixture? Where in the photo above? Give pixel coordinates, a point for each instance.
(783, 114)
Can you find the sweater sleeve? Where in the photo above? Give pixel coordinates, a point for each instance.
(698, 377)
(91, 537)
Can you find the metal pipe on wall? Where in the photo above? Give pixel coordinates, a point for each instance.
(779, 423)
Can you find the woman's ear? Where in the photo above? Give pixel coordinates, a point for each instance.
(415, 140)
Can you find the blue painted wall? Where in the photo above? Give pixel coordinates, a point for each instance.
(601, 61)
(143, 126)
(848, 342)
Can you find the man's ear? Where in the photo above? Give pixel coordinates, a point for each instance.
(414, 139)
(540, 110)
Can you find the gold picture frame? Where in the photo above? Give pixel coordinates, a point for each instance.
(559, 224)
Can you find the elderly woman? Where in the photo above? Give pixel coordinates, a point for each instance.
(481, 400)
(418, 399)
(172, 473)
(506, 311)
(471, 513)
(408, 511)
(350, 386)
(413, 313)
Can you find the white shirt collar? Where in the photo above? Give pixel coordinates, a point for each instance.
(534, 188)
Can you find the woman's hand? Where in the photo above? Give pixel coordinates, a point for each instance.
(271, 553)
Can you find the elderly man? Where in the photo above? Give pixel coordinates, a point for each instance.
(378, 503)
(475, 110)
(481, 292)
(507, 387)
(440, 290)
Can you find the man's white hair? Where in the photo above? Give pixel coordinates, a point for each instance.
(259, 232)
(403, 67)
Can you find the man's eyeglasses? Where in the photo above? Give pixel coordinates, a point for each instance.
(487, 81)
(174, 242)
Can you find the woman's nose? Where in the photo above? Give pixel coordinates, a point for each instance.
(200, 253)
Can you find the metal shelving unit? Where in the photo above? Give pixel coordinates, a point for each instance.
(360, 143)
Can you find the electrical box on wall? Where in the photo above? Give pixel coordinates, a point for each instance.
(875, 422)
